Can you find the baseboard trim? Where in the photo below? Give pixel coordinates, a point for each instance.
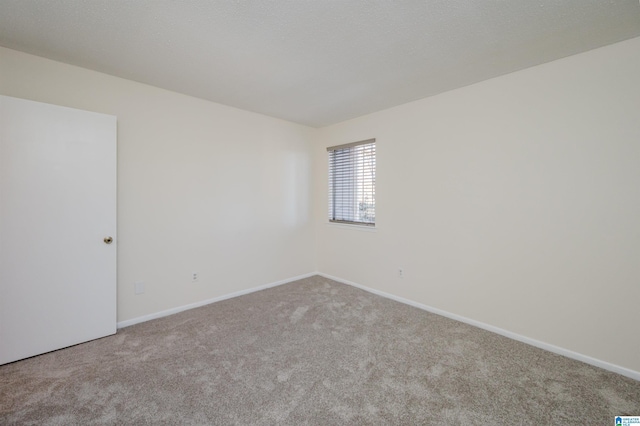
(175, 310)
(515, 336)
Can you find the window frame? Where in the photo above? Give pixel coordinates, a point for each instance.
(353, 162)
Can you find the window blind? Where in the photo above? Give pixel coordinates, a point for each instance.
(352, 183)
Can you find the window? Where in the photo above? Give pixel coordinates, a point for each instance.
(352, 183)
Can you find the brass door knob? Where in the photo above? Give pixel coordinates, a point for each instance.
(108, 240)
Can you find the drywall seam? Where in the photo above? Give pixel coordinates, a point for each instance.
(515, 336)
(172, 311)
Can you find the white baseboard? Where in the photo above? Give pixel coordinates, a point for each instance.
(172, 311)
(542, 345)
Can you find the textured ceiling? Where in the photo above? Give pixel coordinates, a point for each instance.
(315, 62)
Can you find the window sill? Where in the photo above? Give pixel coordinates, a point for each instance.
(364, 228)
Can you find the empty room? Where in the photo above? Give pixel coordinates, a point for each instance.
(410, 212)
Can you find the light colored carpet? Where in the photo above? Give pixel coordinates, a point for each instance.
(309, 352)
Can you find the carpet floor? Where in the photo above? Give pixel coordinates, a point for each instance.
(311, 352)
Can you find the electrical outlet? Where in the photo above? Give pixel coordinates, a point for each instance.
(138, 287)
(400, 273)
(195, 276)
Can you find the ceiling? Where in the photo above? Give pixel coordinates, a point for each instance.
(315, 62)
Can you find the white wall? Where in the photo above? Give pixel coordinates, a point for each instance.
(514, 202)
(201, 187)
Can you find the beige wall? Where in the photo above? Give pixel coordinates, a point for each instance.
(514, 202)
(201, 186)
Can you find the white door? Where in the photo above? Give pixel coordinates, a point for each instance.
(57, 206)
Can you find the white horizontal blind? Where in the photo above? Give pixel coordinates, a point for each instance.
(352, 183)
